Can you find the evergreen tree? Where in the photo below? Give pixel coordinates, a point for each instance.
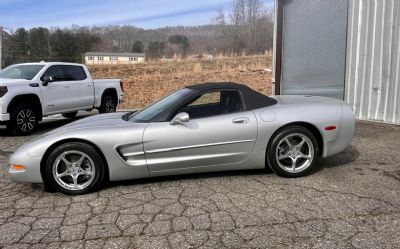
(69, 46)
(137, 47)
(84, 43)
(182, 41)
(20, 47)
(39, 44)
(63, 46)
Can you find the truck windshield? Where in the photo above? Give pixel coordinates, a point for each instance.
(164, 104)
(27, 72)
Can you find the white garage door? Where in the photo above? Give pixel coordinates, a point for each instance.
(314, 47)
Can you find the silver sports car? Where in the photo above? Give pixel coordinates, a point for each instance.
(200, 128)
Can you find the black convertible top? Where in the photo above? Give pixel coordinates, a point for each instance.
(252, 99)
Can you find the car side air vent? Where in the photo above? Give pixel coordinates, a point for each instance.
(132, 154)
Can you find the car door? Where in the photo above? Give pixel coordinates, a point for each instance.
(81, 86)
(209, 142)
(57, 94)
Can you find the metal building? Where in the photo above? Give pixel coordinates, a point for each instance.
(348, 49)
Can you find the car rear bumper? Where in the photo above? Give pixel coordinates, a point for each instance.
(343, 135)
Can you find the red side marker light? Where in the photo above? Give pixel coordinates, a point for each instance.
(330, 128)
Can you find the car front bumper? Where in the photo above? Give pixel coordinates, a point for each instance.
(31, 173)
(4, 117)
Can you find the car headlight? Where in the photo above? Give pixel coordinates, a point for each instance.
(3, 91)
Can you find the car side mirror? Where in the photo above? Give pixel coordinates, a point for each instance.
(47, 79)
(180, 118)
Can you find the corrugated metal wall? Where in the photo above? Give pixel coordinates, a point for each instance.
(373, 59)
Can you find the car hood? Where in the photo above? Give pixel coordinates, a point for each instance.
(94, 129)
(298, 99)
(8, 82)
(100, 120)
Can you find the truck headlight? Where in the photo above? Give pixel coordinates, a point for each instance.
(3, 91)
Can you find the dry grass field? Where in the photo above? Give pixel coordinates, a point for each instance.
(145, 83)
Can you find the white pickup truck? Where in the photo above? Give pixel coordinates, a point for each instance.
(31, 91)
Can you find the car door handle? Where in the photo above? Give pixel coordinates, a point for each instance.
(66, 86)
(241, 120)
(88, 85)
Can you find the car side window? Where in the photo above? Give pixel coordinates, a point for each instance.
(74, 72)
(55, 72)
(214, 103)
(66, 73)
(207, 98)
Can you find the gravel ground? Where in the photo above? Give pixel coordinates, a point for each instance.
(351, 201)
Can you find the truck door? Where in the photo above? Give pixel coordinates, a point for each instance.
(56, 94)
(81, 86)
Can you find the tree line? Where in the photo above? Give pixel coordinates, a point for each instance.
(246, 28)
(69, 45)
(40, 43)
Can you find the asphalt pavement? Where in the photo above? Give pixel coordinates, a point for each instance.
(351, 201)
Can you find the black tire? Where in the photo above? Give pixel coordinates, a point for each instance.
(65, 184)
(108, 104)
(70, 114)
(303, 156)
(24, 120)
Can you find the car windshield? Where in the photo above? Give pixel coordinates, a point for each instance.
(158, 107)
(27, 72)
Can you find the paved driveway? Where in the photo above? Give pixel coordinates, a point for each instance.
(351, 201)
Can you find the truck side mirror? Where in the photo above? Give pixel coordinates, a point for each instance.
(47, 79)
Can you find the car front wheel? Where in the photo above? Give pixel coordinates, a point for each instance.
(293, 152)
(74, 168)
(23, 120)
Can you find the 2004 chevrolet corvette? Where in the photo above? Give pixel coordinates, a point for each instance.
(200, 128)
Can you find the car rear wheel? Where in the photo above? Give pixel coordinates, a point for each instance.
(108, 104)
(23, 120)
(74, 168)
(293, 152)
(70, 114)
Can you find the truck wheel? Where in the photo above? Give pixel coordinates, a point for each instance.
(23, 120)
(70, 114)
(108, 104)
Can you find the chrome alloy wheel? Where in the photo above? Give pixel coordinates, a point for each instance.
(295, 153)
(73, 170)
(26, 120)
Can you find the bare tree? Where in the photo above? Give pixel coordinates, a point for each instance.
(220, 18)
(249, 28)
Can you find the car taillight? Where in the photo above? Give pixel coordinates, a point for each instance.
(3, 91)
(122, 85)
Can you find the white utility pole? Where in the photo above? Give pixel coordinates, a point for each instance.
(1, 47)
